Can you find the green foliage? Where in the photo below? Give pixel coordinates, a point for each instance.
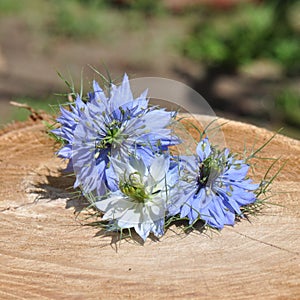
(245, 34)
(94, 3)
(287, 104)
(74, 20)
(82, 19)
(93, 18)
(147, 7)
(287, 52)
(10, 6)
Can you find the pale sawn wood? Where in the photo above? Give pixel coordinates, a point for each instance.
(46, 254)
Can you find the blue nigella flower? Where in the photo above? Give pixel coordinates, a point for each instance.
(116, 126)
(215, 187)
(69, 120)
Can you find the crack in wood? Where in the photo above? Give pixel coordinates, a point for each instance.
(265, 243)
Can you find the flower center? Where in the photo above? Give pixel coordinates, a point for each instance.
(209, 170)
(112, 133)
(134, 188)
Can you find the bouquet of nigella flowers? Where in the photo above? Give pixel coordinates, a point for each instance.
(120, 149)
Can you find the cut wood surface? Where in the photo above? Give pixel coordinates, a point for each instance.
(45, 253)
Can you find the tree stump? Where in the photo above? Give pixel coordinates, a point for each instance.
(45, 253)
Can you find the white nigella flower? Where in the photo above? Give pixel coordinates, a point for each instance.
(143, 195)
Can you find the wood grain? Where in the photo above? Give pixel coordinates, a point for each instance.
(46, 254)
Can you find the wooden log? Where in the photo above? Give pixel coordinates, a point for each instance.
(45, 253)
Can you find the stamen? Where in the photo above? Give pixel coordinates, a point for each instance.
(134, 189)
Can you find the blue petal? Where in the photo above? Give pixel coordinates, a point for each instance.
(185, 209)
(157, 119)
(213, 220)
(203, 149)
(229, 218)
(79, 105)
(65, 152)
(111, 179)
(121, 95)
(144, 153)
(158, 228)
(190, 164)
(184, 193)
(237, 172)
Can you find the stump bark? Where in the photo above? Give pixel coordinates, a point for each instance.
(45, 253)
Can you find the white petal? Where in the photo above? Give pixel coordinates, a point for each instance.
(159, 168)
(157, 209)
(143, 230)
(122, 169)
(138, 165)
(134, 215)
(113, 207)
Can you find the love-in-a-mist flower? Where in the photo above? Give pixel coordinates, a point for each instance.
(215, 187)
(68, 120)
(114, 125)
(143, 195)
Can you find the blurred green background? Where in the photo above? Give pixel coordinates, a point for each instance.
(242, 56)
